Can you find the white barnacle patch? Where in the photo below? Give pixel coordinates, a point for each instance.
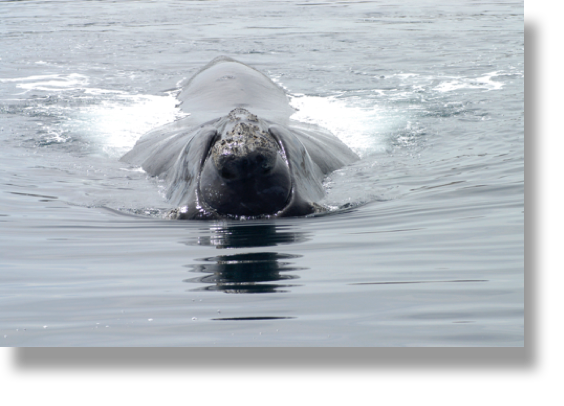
(239, 114)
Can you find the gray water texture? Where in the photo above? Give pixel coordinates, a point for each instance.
(426, 250)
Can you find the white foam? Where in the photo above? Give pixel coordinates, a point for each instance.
(98, 92)
(363, 127)
(112, 120)
(49, 82)
(116, 125)
(405, 75)
(485, 82)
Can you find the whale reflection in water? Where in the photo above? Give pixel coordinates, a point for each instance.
(249, 236)
(254, 272)
(246, 273)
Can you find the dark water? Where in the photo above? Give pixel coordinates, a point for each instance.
(430, 96)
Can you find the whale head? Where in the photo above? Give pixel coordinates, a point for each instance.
(245, 172)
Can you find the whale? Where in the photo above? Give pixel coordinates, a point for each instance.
(238, 153)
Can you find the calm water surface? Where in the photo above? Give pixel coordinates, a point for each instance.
(428, 253)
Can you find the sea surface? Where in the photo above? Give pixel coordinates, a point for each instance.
(428, 252)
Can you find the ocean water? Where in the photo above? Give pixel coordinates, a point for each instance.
(430, 253)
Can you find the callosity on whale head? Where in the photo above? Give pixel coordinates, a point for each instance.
(238, 164)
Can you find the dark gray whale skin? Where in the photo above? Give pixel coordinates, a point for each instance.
(238, 154)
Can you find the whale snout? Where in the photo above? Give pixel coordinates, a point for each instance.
(246, 174)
